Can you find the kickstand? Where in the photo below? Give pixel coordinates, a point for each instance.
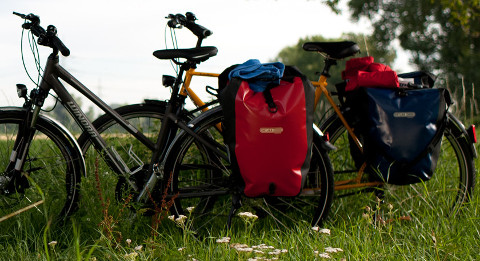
(236, 204)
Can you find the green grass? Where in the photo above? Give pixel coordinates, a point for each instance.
(90, 236)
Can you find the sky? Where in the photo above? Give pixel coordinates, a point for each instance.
(112, 41)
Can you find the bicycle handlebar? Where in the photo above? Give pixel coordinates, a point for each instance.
(45, 37)
(188, 20)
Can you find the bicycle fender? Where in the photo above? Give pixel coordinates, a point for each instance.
(57, 125)
(461, 133)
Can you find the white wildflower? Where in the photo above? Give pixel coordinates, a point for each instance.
(172, 217)
(321, 231)
(223, 240)
(324, 231)
(278, 252)
(241, 247)
(190, 209)
(263, 246)
(181, 249)
(139, 248)
(333, 249)
(129, 241)
(247, 216)
(390, 206)
(247, 249)
(181, 219)
(52, 244)
(323, 255)
(238, 245)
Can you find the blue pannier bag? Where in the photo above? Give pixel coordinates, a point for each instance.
(401, 130)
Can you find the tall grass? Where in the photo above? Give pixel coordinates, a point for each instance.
(358, 225)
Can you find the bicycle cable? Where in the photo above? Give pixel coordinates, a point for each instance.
(23, 58)
(36, 56)
(173, 37)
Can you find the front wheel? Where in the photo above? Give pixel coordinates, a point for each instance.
(201, 181)
(450, 187)
(52, 169)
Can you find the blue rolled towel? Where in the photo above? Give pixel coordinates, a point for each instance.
(258, 75)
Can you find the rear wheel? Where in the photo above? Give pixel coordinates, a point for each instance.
(203, 186)
(450, 187)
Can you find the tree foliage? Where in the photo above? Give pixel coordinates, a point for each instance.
(443, 36)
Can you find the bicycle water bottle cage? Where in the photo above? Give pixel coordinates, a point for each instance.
(196, 55)
(334, 50)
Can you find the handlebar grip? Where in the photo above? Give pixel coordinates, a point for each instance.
(57, 43)
(197, 29)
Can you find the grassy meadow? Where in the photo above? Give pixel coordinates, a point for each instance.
(358, 228)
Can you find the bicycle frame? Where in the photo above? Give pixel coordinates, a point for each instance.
(187, 91)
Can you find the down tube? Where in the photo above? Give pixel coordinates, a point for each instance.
(67, 77)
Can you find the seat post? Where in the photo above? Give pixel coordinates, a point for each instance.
(328, 63)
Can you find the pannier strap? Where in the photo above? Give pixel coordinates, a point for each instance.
(272, 107)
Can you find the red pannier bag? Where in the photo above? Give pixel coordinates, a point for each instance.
(363, 72)
(270, 144)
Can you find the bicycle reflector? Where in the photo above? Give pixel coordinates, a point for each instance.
(21, 90)
(472, 134)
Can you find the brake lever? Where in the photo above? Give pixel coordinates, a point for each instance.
(191, 16)
(19, 14)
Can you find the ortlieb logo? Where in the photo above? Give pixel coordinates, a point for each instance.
(404, 114)
(271, 130)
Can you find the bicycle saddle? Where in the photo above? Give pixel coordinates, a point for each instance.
(335, 50)
(199, 54)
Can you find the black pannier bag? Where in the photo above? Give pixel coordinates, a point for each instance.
(401, 130)
(269, 134)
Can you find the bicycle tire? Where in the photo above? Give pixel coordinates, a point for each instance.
(54, 166)
(201, 179)
(449, 189)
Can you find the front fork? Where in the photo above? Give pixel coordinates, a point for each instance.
(26, 131)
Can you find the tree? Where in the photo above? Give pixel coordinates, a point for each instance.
(443, 36)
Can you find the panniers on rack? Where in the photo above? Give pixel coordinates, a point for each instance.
(269, 132)
(401, 128)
